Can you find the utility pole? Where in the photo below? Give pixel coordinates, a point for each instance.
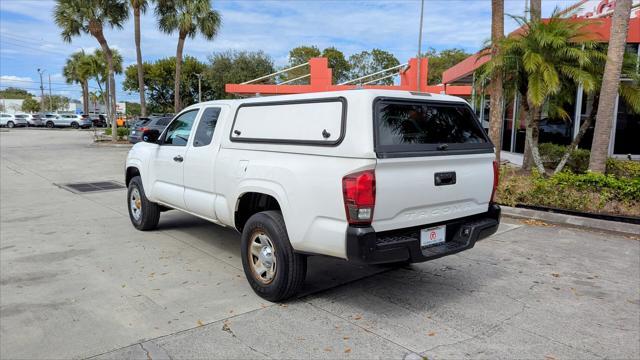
(40, 72)
(199, 88)
(420, 42)
(50, 98)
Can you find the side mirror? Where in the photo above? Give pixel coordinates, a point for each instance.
(150, 136)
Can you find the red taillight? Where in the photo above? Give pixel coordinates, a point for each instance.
(143, 129)
(496, 177)
(359, 191)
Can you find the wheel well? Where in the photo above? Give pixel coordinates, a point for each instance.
(251, 203)
(131, 173)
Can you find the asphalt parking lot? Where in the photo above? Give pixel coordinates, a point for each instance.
(77, 281)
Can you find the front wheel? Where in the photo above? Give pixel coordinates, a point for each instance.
(50, 125)
(143, 213)
(273, 269)
(10, 125)
(75, 125)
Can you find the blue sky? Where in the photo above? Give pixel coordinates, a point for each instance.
(29, 38)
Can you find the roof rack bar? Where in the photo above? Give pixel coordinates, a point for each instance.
(375, 73)
(380, 78)
(275, 73)
(292, 80)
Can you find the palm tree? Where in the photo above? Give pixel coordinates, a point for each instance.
(610, 85)
(629, 92)
(538, 62)
(97, 64)
(188, 18)
(139, 6)
(94, 97)
(75, 17)
(77, 70)
(497, 96)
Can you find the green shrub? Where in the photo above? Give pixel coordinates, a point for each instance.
(623, 168)
(107, 131)
(122, 132)
(591, 192)
(551, 155)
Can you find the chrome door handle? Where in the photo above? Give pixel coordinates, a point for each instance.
(178, 158)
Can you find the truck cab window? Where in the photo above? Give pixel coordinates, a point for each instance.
(178, 131)
(206, 126)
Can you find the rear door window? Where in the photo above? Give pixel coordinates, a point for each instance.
(418, 128)
(206, 127)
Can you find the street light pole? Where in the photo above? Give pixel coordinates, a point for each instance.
(40, 72)
(420, 43)
(199, 88)
(50, 99)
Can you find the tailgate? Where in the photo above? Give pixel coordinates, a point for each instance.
(407, 194)
(435, 163)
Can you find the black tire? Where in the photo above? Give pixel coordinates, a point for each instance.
(50, 124)
(75, 125)
(149, 211)
(290, 269)
(10, 124)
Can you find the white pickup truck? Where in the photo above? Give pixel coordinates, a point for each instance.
(371, 176)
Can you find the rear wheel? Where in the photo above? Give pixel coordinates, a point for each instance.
(273, 269)
(50, 124)
(10, 124)
(75, 125)
(143, 213)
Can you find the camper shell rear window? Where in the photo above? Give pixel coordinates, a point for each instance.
(407, 127)
(297, 122)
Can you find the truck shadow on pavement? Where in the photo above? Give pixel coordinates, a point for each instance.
(326, 273)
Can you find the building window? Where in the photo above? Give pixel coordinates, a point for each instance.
(627, 130)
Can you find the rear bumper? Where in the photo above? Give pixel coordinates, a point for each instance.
(366, 246)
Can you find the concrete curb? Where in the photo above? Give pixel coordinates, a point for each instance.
(571, 220)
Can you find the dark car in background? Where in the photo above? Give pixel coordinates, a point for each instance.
(152, 123)
(99, 121)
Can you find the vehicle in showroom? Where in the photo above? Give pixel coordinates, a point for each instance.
(11, 121)
(32, 119)
(369, 176)
(152, 123)
(74, 121)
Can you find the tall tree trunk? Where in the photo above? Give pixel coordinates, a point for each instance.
(176, 92)
(496, 100)
(535, 9)
(610, 85)
(527, 161)
(85, 97)
(583, 130)
(96, 31)
(136, 21)
(532, 139)
(105, 97)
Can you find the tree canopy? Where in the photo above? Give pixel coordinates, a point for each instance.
(439, 61)
(15, 93)
(369, 62)
(234, 67)
(159, 80)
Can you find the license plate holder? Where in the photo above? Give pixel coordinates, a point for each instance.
(433, 236)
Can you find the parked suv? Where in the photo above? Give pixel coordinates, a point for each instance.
(68, 120)
(369, 176)
(32, 119)
(11, 121)
(153, 123)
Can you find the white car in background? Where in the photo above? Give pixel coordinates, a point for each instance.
(68, 120)
(32, 119)
(10, 121)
